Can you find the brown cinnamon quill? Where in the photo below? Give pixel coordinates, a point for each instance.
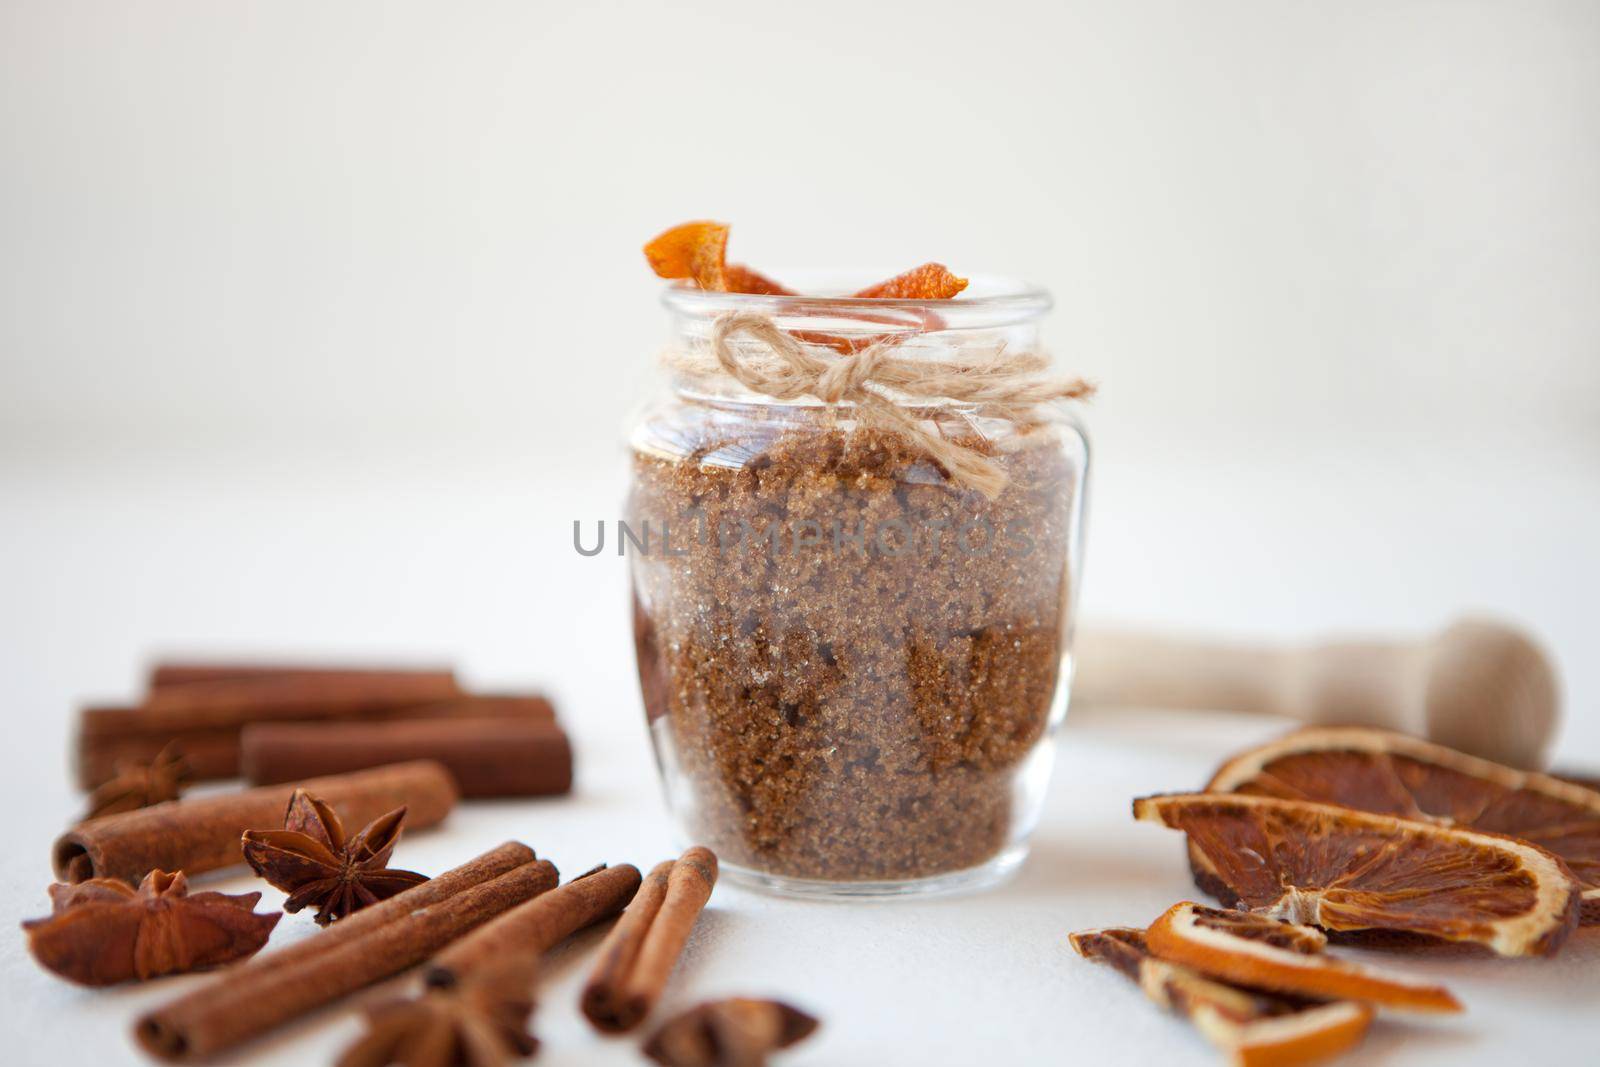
(641, 950)
(367, 947)
(203, 833)
(488, 757)
(182, 672)
(530, 930)
(206, 718)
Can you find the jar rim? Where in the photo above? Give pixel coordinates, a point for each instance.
(989, 300)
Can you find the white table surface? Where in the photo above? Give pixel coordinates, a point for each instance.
(106, 560)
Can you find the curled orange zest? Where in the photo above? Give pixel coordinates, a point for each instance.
(931, 281)
(694, 250)
(741, 279)
(698, 251)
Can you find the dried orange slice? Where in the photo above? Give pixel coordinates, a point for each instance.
(1587, 781)
(1382, 771)
(694, 250)
(931, 281)
(1264, 953)
(1346, 870)
(1253, 1029)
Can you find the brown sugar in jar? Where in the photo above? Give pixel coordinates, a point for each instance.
(851, 662)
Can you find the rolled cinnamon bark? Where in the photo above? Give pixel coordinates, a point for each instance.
(273, 989)
(641, 950)
(211, 754)
(209, 734)
(532, 929)
(488, 757)
(290, 696)
(182, 672)
(202, 833)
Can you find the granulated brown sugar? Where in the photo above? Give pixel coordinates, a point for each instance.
(854, 706)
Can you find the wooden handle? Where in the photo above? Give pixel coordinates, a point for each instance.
(1480, 686)
(1127, 668)
(1368, 682)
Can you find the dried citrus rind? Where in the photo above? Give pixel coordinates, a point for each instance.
(694, 250)
(1263, 953)
(1393, 774)
(1250, 1027)
(1346, 870)
(737, 278)
(931, 281)
(697, 251)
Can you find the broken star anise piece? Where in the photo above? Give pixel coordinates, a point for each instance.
(480, 1022)
(311, 860)
(104, 931)
(141, 784)
(737, 1032)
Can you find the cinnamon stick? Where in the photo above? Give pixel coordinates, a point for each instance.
(641, 950)
(104, 745)
(182, 672)
(532, 929)
(397, 933)
(208, 734)
(202, 833)
(488, 757)
(289, 696)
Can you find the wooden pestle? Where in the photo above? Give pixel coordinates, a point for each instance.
(1480, 686)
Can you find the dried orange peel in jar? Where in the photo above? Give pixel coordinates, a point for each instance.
(1351, 871)
(694, 250)
(741, 279)
(931, 281)
(1393, 774)
(698, 252)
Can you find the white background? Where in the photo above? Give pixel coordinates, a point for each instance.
(320, 323)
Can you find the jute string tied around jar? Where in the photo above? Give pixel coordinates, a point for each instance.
(998, 384)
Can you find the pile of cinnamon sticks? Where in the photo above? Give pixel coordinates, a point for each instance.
(484, 924)
(285, 722)
(342, 747)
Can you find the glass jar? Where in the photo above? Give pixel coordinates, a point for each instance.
(852, 663)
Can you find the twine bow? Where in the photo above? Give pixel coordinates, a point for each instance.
(1004, 385)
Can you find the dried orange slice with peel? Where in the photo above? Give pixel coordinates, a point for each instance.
(1252, 1028)
(1382, 771)
(1346, 870)
(1585, 781)
(1263, 953)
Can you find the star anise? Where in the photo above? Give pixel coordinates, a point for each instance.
(737, 1032)
(311, 860)
(481, 1021)
(141, 784)
(104, 931)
